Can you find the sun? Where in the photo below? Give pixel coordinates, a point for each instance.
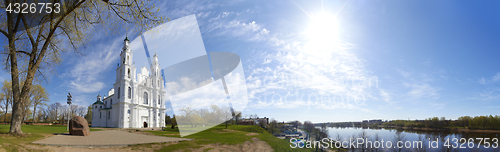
(322, 32)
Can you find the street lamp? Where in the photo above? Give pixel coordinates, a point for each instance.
(69, 103)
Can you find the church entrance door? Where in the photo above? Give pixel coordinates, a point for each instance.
(145, 124)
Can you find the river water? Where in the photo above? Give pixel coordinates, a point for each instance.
(411, 138)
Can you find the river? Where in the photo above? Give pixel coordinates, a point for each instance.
(411, 138)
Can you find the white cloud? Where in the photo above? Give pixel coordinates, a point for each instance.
(488, 94)
(387, 98)
(85, 76)
(482, 81)
(405, 74)
(496, 77)
(422, 90)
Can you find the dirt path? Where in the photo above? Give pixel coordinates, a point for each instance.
(250, 146)
(32, 147)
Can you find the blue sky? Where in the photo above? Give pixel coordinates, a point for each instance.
(365, 59)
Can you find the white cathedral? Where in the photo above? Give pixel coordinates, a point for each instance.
(132, 102)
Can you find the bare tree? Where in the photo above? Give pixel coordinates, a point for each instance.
(6, 97)
(399, 140)
(421, 147)
(188, 114)
(353, 140)
(363, 135)
(54, 111)
(296, 124)
(338, 138)
(237, 117)
(375, 138)
(39, 97)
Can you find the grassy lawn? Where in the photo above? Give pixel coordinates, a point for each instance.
(13, 143)
(39, 129)
(235, 134)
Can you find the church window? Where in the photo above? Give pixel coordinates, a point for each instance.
(96, 107)
(109, 114)
(128, 72)
(145, 98)
(118, 93)
(158, 83)
(159, 101)
(127, 58)
(111, 102)
(100, 107)
(129, 92)
(128, 111)
(123, 60)
(158, 114)
(106, 102)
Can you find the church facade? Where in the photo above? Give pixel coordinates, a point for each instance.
(136, 100)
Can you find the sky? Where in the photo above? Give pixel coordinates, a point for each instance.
(329, 61)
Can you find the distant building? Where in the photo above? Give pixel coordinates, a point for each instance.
(376, 121)
(246, 122)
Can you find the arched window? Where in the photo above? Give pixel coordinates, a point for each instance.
(111, 102)
(128, 111)
(96, 107)
(118, 93)
(109, 114)
(100, 107)
(127, 58)
(158, 84)
(105, 102)
(159, 100)
(129, 92)
(128, 72)
(145, 98)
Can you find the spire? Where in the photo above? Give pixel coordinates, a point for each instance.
(125, 43)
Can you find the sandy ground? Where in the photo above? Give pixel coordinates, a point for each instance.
(248, 146)
(112, 149)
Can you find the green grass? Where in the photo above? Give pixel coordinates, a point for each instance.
(236, 134)
(34, 132)
(39, 129)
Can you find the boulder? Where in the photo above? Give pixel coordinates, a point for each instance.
(79, 126)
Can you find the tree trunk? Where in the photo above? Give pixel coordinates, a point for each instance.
(34, 112)
(17, 110)
(6, 110)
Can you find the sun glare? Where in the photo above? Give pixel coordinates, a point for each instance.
(322, 33)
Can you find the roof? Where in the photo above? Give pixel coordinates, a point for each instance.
(98, 102)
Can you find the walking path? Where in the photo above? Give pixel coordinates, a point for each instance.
(108, 138)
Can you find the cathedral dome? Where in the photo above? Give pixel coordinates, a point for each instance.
(98, 102)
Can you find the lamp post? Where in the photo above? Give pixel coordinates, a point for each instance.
(69, 107)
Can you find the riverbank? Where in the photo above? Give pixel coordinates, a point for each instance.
(444, 129)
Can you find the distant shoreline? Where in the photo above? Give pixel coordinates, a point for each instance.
(446, 129)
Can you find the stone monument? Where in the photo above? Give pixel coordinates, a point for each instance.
(79, 126)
